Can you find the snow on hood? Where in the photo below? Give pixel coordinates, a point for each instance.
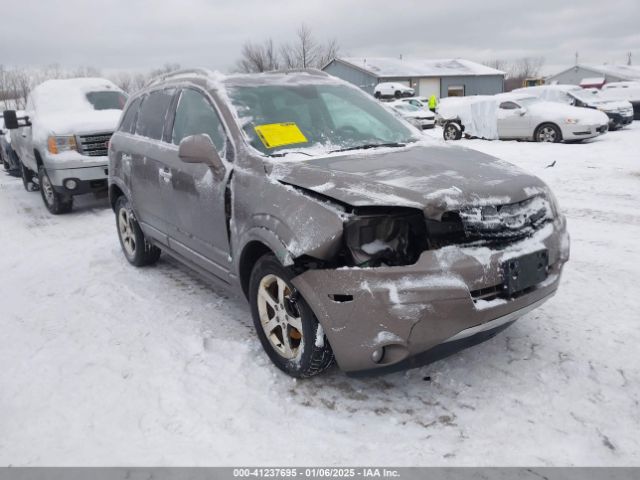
(557, 111)
(435, 179)
(74, 123)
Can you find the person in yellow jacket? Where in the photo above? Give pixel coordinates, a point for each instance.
(433, 103)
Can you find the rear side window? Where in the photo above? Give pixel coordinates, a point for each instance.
(195, 115)
(153, 113)
(128, 124)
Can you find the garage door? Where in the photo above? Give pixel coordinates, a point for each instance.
(428, 87)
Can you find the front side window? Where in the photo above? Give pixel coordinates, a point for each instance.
(153, 112)
(508, 106)
(331, 117)
(196, 115)
(107, 100)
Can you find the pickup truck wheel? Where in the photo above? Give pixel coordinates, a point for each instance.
(287, 328)
(548, 132)
(55, 202)
(27, 178)
(136, 248)
(451, 131)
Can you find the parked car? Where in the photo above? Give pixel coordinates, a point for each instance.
(392, 89)
(8, 156)
(629, 91)
(62, 138)
(620, 112)
(421, 118)
(348, 234)
(518, 116)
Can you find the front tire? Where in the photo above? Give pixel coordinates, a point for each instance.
(398, 94)
(286, 326)
(136, 248)
(548, 133)
(27, 178)
(378, 95)
(55, 202)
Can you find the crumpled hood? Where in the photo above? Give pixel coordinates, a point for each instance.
(78, 123)
(435, 179)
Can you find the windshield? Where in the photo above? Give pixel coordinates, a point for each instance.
(107, 100)
(332, 117)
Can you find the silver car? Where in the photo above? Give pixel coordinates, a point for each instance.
(521, 117)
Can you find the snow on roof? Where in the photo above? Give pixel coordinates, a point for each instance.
(627, 72)
(395, 67)
(592, 81)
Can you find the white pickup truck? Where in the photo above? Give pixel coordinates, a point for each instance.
(63, 136)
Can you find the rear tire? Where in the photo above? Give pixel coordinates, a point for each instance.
(136, 248)
(451, 131)
(548, 133)
(287, 328)
(55, 202)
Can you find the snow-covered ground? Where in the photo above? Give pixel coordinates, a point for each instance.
(104, 364)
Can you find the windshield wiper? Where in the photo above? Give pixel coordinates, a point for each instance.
(369, 145)
(282, 154)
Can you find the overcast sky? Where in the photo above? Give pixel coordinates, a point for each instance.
(142, 34)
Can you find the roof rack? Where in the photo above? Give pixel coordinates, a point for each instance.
(185, 71)
(311, 71)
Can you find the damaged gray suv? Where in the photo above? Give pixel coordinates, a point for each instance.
(351, 236)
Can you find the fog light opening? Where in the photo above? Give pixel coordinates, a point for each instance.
(70, 184)
(340, 298)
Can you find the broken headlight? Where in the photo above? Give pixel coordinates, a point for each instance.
(396, 238)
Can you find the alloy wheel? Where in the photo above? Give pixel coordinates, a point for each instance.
(125, 227)
(547, 134)
(280, 319)
(47, 190)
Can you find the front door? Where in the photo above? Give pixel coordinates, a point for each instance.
(200, 230)
(513, 121)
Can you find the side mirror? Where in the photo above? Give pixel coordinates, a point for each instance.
(200, 149)
(522, 111)
(10, 119)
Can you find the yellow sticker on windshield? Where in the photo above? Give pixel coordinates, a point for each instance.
(278, 134)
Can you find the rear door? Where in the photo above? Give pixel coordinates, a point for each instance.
(199, 231)
(149, 171)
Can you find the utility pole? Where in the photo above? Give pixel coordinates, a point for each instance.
(629, 58)
(576, 59)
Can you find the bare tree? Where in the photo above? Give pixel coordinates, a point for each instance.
(303, 52)
(498, 64)
(258, 58)
(328, 52)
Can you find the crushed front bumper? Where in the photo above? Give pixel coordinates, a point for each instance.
(409, 312)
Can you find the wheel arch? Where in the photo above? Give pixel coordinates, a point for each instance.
(115, 192)
(251, 253)
(542, 124)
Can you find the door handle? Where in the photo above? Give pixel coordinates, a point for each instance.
(165, 173)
